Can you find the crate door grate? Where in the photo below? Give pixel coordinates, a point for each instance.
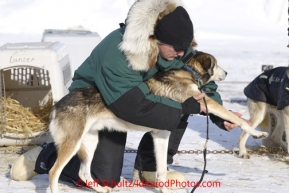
(26, 76)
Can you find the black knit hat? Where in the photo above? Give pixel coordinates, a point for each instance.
(176, 29)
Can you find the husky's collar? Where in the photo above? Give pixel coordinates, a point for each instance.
(197, 75)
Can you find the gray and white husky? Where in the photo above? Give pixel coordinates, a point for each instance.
(274, 102)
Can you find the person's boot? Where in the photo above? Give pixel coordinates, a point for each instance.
(23, 168)
(172, 177)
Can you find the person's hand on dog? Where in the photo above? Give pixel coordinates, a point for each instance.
(229, 126)
(202, 107)
(191, 106)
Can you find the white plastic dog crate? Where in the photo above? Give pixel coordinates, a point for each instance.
(79, 43)
(29, 73)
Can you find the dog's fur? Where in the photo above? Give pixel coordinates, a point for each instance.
(77, 118)
(260, 117)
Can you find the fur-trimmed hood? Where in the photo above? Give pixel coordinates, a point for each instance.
(139, 43)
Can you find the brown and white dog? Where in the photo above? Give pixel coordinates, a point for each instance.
(268, 93)
(77, 133)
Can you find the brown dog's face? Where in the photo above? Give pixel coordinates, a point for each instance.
(206, 65)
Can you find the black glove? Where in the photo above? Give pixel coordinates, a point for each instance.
(218, 121)
(191, 106)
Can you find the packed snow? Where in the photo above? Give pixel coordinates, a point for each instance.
(242, 34)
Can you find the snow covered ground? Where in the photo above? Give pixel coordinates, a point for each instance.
(242, 34)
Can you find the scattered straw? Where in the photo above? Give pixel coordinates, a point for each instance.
(12, 149)
(21, 120)
(268, 150)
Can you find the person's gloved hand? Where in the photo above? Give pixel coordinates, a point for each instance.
(191, 106)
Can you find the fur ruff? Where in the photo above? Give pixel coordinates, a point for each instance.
(139, 44)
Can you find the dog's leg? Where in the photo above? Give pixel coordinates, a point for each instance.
(85, 154)
(278, 131)
(258, 114)
(67, 146)
(242, 146)
(286, 125)
(66, 150)
(218, 110)
(161, 141)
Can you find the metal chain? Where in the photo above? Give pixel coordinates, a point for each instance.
(208, 151)
(197, 151)
(18, 150)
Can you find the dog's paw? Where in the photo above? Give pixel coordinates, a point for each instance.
(262, 135)
(167, 191)
(103, 189)
(244, 156)
(108, 189)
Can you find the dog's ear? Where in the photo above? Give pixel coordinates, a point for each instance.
(205, 60)
(207, 65)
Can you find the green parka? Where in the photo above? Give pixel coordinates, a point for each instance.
(123, 88)
(118, 67)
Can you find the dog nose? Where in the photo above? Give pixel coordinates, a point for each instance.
(226, 73)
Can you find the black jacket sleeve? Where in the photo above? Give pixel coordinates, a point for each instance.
(135, 108)
(218, 121)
